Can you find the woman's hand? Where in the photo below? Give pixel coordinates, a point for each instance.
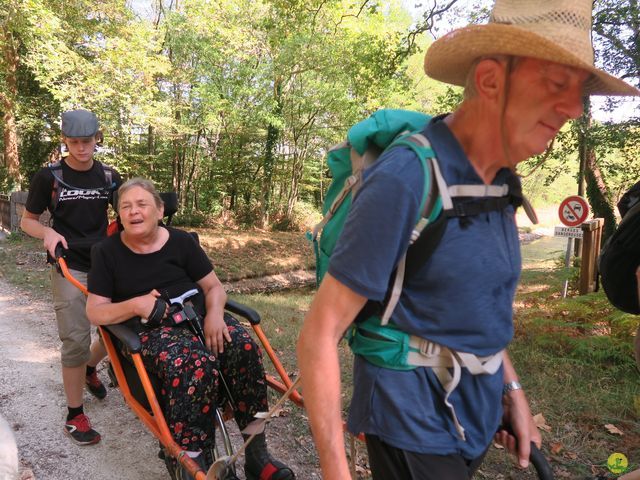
(518, 416)
(215, 332)
(145, 305)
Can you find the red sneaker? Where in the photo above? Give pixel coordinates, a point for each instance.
(95, 386)
(80, 431)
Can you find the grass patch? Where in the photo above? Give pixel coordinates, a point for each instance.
(23, 263)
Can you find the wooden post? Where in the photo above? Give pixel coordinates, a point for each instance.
(592, 234)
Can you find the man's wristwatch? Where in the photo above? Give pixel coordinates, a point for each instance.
(510, 387)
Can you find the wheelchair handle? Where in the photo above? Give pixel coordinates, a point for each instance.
(59, 251)
(540, 463)
(182, 298)
(76, 244)
(536, 457)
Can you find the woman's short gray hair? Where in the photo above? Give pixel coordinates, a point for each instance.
(143, 183)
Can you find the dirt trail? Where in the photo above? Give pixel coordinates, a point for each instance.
(32, 401)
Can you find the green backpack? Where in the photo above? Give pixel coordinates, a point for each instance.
(365, 143)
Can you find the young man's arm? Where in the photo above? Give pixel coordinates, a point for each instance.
(333, 309)
(518, 414)
(30, 224)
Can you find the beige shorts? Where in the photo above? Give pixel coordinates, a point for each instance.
(74, 328)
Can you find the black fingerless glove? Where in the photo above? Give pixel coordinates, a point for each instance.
(157, 314)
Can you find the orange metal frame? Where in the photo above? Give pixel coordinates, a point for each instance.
(155, 420)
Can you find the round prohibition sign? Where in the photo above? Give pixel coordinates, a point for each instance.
(573, 211)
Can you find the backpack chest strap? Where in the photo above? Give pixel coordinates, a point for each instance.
(425, 353)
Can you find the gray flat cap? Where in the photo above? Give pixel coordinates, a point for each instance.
(79, 123)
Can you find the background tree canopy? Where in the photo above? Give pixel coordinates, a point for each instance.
(234, 103)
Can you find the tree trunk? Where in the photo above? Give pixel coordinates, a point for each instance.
(190, 181)
(297, 171)
(273, 134)
(7, 100)
(151, 146)
(583, 124)
(598, 195)
(590, 177)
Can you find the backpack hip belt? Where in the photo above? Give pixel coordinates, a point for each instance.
(425, 353)
(389, 347)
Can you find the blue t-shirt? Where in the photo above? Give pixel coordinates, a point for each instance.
(461, 297)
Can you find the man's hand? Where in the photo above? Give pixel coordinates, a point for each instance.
(518, 416)
(215, 332)
(51, 240)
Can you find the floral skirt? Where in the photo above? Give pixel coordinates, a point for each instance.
(191, 387)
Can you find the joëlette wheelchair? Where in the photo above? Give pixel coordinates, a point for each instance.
(141, 389)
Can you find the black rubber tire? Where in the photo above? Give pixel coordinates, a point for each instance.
(170, 463)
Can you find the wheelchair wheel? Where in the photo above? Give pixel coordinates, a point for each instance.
(112, 376)
(169, 462)
(222, 447)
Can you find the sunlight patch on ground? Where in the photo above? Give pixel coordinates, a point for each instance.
(288, 262)
(36, 354)
(237, 242)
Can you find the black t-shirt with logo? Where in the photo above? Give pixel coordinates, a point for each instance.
(81, 212)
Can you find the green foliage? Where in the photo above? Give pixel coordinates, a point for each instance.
(304, 217)
(7, 183)
(191, 218)
(234, 103)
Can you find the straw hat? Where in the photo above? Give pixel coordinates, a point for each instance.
(554, 30)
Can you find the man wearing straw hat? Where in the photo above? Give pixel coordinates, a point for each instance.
(525, 74)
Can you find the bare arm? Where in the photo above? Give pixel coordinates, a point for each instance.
(333, 309)
(215, 330)
(102, 311)
(518, 415)
(30, 224)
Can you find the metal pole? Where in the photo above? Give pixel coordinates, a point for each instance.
(567, 263)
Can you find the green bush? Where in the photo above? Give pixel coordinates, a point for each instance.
(305, 216)
(191, 218)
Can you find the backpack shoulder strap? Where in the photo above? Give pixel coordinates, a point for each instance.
(430, 208)
(108, 175)
(56, 170)
(108, 180)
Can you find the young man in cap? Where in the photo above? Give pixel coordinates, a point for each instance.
(77, 192)
(525, 75)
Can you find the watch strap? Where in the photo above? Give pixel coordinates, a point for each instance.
(511, 386)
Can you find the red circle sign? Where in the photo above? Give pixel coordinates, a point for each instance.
(573, 211)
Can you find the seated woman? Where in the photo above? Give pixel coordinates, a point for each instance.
(128, 272)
